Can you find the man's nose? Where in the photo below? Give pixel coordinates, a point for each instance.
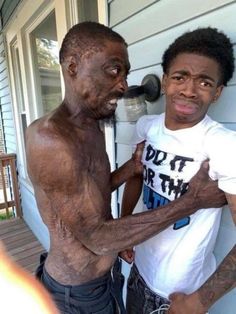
(189, 89)
(122, 85)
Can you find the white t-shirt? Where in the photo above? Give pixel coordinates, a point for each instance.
(181, 257)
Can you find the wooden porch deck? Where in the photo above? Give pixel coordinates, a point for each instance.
(20, 243)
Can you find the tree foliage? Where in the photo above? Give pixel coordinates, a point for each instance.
(47, 53)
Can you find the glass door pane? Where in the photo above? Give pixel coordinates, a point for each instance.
(46, 65)
(88, 10)
(19, 89)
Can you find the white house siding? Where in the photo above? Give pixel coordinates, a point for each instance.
(149, 27)
(5, 102)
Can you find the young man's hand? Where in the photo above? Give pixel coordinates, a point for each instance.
(185, 304)
(137, 158)
(127, 255)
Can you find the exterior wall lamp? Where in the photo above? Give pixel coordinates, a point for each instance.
(136, 96)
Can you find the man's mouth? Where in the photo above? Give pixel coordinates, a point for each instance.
(186, 108)
(112, 104)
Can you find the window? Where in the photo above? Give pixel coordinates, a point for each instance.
(45, 52)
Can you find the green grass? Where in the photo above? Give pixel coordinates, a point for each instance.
(3, 216)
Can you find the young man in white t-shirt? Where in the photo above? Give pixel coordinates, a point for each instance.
(180, 259)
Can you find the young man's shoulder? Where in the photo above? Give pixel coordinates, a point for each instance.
(148, 120)
(218, 137)
(215, 128)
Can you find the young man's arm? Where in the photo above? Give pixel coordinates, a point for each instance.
(131, 194)
(222, 281)
(231, 199)
(129, 169)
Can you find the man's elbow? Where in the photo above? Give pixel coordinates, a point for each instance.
(99, 244)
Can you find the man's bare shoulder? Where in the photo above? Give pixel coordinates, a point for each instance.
(49, 133)
(45, 126)
(48, 152)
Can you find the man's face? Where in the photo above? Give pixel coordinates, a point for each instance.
(190, 86)
(101, 79)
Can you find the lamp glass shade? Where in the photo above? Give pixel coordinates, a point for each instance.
(135, 107)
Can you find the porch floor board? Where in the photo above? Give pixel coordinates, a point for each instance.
(20, 243)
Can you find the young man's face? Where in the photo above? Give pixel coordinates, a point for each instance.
(101, 79)
(190, 86)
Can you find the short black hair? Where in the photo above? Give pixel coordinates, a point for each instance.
(87, 37)
(208, 42)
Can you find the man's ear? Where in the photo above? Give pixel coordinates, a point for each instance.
(163, 83)
(218, 92)
(71, 65)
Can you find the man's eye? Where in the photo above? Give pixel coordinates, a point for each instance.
(115, 71)
(205, 84)
(177, 78)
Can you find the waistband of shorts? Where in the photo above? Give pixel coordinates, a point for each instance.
(77, 289)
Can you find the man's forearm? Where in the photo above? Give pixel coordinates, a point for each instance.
(222, 281)
(118, 234)
(224, 278)
(112, 236)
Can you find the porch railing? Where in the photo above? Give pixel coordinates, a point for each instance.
(10, 198)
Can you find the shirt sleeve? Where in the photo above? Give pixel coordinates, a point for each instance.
(139, 134)
(222, 154)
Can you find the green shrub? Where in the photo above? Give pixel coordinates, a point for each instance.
(3, 216)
